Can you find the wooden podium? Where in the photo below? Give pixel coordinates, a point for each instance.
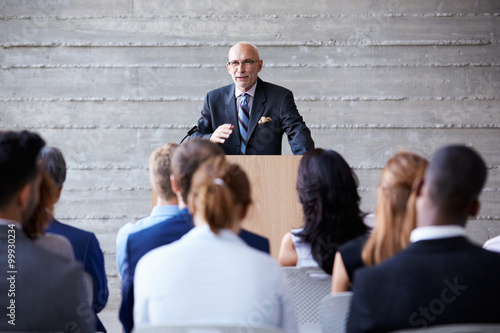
(275, 206)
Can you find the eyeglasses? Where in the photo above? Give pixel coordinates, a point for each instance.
(245, 63)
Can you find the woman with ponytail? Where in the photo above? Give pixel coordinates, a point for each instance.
(210, 276)
(394, 220)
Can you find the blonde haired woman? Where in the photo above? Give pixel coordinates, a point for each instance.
(210, 276)
(394, 220)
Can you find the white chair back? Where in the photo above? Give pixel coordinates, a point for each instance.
(205, 329)
(334, 312)
(308, 286)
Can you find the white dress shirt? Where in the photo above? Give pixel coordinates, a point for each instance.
(492, 244)
(437, 232)
(238, 95)
(205, 278)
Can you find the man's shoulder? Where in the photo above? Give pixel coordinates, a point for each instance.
(268, 86)
(424, 253)
(222, 90)
(37, 257)
(181, 220)
(68, 230)
(132, 227)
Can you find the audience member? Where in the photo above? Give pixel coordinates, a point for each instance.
(492, 244)
(395, 219)
(84, 244)
(328, 193)
(43, 291)
(441, 278)
(166, 201)
(185, 160)
(210, 276)
(34, 228)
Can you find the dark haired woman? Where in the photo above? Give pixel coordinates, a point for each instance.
(328, 193)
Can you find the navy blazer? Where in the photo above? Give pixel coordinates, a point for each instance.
(141, 242)
(432, 282)
(87, 250)
(270, 101)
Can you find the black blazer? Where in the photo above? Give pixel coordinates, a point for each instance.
(270, 101)
(432, 282)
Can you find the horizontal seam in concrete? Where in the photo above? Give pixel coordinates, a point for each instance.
(194, 99)
(268, 65)
(454, 42)
(381, 14)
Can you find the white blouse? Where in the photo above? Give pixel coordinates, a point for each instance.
(205, 278)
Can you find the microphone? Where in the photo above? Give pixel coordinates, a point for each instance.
(190, 132)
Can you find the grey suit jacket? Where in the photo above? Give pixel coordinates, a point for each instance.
(41, 291)
(270, 101)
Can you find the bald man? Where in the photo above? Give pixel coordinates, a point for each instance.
(250, 116)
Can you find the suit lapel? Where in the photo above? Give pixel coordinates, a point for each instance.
(258, 107)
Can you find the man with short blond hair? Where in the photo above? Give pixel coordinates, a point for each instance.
(166, 201)
(160, 166)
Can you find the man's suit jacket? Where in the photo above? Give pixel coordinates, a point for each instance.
(269, 101)
(87, 251)
(163, 233)
(48, 290)
(432, 282)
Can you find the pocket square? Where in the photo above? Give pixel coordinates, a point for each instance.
(264, 120)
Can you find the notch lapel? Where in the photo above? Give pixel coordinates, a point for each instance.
(258, 107)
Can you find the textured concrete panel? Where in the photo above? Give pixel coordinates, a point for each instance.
(365, 30)
(281, 56)
(183, 114)
(109, 81)
(187, 83)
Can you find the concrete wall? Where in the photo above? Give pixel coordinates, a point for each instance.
(109, 81)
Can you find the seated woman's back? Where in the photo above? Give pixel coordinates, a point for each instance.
(210, 276)
(394, 216)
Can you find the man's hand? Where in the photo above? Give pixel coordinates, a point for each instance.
(222, 133)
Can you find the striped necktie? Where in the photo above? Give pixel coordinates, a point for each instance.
(243, 118)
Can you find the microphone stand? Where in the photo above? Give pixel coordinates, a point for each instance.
(190, 132)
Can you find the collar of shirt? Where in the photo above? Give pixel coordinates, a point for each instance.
(437, 232)
(251, 92)
(169, 210)
(238, 92)
(9, 222)
(204, 232)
